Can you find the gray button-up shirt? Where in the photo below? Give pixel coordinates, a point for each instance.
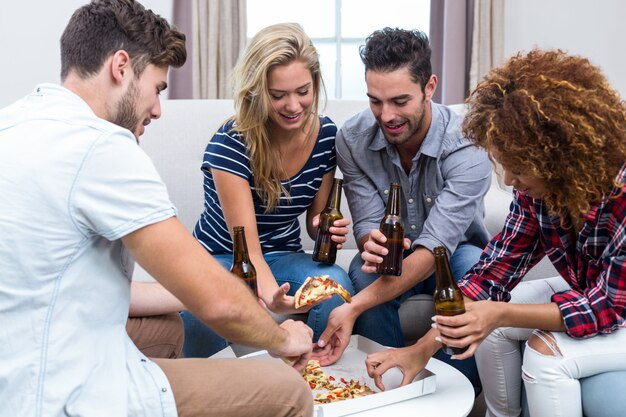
(442, 197)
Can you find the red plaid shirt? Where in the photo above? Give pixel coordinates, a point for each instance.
(594, 264)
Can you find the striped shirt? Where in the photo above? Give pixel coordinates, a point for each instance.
(279, 230)
(594, 264)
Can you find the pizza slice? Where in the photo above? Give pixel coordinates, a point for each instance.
(315, 376)
(327, 390)
(356, 389)
(343, 392)
(318, 287)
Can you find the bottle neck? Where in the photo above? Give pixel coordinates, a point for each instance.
(334, 199)
(240, 248)
(442, 269)
(393, 202)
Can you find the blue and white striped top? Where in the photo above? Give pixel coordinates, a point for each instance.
(279, 231)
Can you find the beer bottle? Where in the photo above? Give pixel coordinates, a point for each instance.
(391, 226)
(242, 267)
(448, 297)
(325, 250)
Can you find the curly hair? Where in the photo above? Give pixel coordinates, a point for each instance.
(390, 49)
(553, 116)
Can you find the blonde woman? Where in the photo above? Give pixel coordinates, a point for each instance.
(269, 163)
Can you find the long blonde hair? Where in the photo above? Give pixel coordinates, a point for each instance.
(275, 45)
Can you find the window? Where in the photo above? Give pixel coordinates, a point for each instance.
(338, 28)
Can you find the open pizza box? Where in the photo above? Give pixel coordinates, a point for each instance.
(352, 365)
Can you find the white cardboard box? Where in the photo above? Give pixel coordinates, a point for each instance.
(352, 365)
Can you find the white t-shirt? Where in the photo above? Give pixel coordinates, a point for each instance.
(71, 185)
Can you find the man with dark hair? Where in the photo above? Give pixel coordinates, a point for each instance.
(78, 201)
(406, 138)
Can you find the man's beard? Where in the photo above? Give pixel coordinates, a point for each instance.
(413, 129)
(126, 114)
(414, 126)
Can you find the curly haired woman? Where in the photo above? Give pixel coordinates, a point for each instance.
(558, 130)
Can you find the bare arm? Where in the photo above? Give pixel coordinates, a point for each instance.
(170, 254)
(415, 268)
(533, 316)
(470, 329)
(151, 299)
(409, 360)
(334, 340)
(238, 209)
(361, 243)
(482, 317)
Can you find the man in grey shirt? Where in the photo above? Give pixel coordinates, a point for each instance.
(404, 137)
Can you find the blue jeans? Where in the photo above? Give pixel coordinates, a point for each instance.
(603, 394)
(382, 323)
(291, 267)
(200, 341)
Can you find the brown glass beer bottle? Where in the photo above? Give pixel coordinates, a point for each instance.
(391, 226)
(242, 267)
(325, 249)
(448, 297)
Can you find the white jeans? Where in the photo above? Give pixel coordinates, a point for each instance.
(551, 381)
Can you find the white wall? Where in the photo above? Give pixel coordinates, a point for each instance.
(30, 31)
(583, 27)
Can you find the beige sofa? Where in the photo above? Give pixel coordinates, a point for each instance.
(176, 143)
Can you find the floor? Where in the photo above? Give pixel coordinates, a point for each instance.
(479, 407)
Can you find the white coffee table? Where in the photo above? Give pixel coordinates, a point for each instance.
(453, 397)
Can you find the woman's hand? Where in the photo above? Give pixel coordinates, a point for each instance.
(282, 303)
(335, 338)
(339, 230)
(374, 250)
(471, 328)
(409, 360)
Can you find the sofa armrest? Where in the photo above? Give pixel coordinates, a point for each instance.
(497, 204)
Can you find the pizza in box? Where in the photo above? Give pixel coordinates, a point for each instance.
(327, 389)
